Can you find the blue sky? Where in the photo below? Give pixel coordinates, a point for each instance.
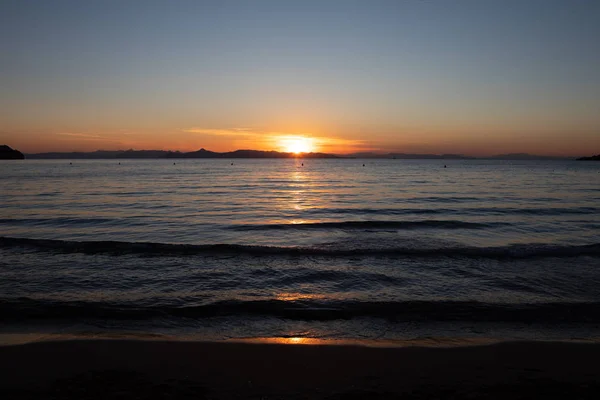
(473, 77)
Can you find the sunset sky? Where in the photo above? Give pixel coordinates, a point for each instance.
(475, 77)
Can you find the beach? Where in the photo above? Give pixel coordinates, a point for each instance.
(146, 369)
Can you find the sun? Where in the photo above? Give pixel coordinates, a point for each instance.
(296, 144)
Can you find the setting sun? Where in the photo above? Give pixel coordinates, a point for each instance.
(296, 144)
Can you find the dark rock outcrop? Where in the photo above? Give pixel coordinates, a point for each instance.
(592, 158)
(6, 153)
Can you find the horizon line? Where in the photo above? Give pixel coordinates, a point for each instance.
(299, 154)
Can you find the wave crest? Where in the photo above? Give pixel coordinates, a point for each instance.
(398, 311)
(521, 251)
(425, 224)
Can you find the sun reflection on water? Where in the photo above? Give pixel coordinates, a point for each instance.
(293, 340)
(298, 296)
(302, 193)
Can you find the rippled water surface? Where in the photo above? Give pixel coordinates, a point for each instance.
(315, 248)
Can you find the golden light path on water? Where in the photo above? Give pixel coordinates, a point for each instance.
(305, 192)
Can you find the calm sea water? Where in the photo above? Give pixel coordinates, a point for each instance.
(393, 249)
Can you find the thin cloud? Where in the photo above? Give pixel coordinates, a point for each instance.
(80, 135)
(222, 132)
(86, 137)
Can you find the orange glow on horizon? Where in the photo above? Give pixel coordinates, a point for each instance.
(297, 140)
(296, 144)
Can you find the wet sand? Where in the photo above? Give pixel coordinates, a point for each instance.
(143, 369)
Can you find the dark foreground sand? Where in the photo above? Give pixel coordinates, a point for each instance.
(122, 369)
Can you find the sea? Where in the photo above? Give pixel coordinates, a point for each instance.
(379, 250)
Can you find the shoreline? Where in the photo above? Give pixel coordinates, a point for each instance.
(26, 338)
(120, 368)
(19, 339)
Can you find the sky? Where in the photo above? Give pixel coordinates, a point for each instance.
(473, 77)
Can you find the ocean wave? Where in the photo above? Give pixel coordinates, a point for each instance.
(431, 224)
(518, 251)
(26, 309)
(542, 211)
(69, 221)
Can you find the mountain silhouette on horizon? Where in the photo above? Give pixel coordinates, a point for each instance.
(202, 153)
(247, 153)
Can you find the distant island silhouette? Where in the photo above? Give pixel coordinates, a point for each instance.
(408, 156)
(6, 153)
(592, 158)
(202, 153)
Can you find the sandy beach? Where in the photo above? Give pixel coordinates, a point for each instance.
(141, 369)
